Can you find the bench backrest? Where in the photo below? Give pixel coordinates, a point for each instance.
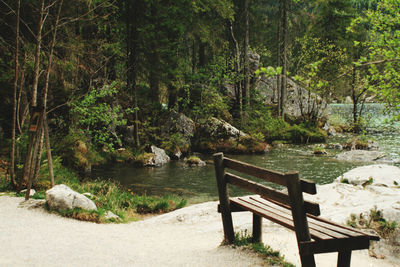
(293, 198)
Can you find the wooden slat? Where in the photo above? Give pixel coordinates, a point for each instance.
(317, 222)
(268, 193)
(257, 188)
(342, 228)
(310, 206)
(312, 226)
(267, 175)
(333, 245)
(276, 214)
(264, 213)
(308, 187)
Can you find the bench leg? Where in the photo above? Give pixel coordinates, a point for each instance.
(344, 258)
(307, 260)
(257, 226)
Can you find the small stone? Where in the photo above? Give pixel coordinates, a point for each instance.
(31, 193)
(111, 216)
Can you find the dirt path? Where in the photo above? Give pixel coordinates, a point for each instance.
(187, 237)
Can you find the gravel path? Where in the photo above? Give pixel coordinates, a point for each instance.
(186, 237)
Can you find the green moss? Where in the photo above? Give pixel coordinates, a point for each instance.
(193, 160)
(144, 158)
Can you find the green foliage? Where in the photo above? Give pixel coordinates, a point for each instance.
(374, 220)
(175, 142)
(383, 58)
(304, 133)
(98, 116)
(244, 239)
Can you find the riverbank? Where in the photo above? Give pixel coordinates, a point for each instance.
(189, 236)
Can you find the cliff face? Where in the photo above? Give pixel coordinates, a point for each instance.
(299, 101)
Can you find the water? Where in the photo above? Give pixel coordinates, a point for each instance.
(197, 184)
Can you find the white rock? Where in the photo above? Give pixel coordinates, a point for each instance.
(63, 197)
(160, 156)
(111, 216)
(380, 175)
(31, 192)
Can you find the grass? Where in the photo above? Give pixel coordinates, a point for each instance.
(107, 195)
(244, 239)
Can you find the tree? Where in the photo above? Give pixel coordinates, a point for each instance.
(383, 59)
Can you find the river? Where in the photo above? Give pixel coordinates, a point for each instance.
(197, 184)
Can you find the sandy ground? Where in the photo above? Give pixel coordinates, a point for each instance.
(187, 237)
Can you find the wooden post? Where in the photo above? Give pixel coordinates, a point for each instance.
(299, 216)
(257, 228)
(229, 235)
(344, 258)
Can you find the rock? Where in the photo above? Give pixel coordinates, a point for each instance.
(297, 97)
(364, 156)
(160, 157)
(179, 123)
(329, 129)
(32, 203)
(195, 161)
(31, 192)
(379, 193)
(335, 146)
(348, 100)
(375, 175)
(109, 215)
(177, 154)
(320, 152)
(221, 129)
(62, 197)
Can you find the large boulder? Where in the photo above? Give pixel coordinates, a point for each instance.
(217, 135)
(376, 175)
(179, 123)
(221, 129)
(298, 99)
(364, 156)
(363, 193)
(160, 157)
(61, 197)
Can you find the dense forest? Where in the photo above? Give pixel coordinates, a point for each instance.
(89, 77)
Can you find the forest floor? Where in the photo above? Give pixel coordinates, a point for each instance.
(187, 237)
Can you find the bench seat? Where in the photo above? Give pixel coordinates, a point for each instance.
(326, 235)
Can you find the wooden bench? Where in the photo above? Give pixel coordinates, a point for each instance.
(314, 234)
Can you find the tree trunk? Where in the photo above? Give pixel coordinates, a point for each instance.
(238, 84)
(40, 131)
(12, 156)
(284, 59)
(48, 149)
(132, 50)
(28, 161)
(246, 71)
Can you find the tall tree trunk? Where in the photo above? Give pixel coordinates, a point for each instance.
(246, 69)
(283, 45)
(279, 59)
(40, 130)
(132, 50)
(154, 58)
(48, 149)
(238, 84)
(28, 162)
(12, 156)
